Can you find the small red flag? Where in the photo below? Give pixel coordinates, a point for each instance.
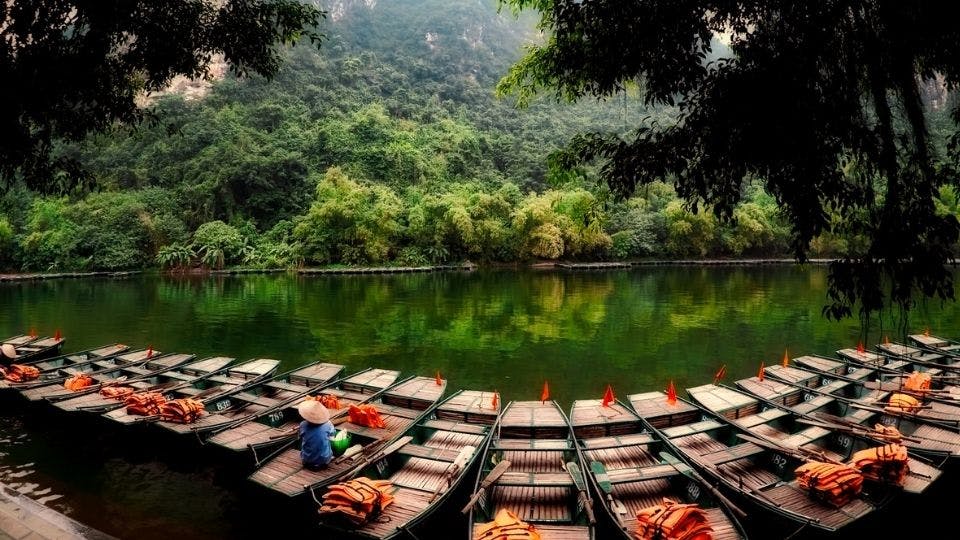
(926, 331)
(57, 335)
(33, 332)
(671, 394)
(721, 373)
(608, 397)
(495, 402)
(886, 340)
(438, 380)
(149, 351)
(760, 374)
(860, 348)
(786, 358)
(545, 393)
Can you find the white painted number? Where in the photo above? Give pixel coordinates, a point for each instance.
(779, 461)
(221, 405)
(844, 441)
(693, 490)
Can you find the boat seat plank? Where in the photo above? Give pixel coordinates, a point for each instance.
(459, 427)
(426, 452)
(532, 444)
(535, 479)
(618, 441)
(690, 429)
(732, 453)
(635, 474)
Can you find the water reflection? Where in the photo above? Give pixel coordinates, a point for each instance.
(501, 330)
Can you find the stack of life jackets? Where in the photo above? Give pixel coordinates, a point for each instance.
(672, 521)
(832, 483)
(506, 525)
(329, 401)
(917, 382)
(21, 373)
(366, 415)
(888, 464)
(116, 392)
(356, 501)
(145, 403)
(902, 403)
(78, 382)
(181, 411)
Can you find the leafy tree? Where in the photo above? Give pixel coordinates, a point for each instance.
(349, 221)
(217, 243)
(820, 101)
(71, 68)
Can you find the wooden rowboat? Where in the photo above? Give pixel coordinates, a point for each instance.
(544, 483)
(401, 406)
(922, 355)
(936, 344)
(19, 340)
(157, 381)
(626, 467)
(274, 427)
(443, 447)
(48, 366)
(757, 473)
(888, 377)
(119, 374)
(36, 348)
(54, 386)
(236, 379)
(784, 427)
(906, 364)
(247, 401)
(824, 396)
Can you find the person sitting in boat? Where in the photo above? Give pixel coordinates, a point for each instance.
(316, 430)
(8, 353)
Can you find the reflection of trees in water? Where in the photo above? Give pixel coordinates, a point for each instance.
(639, 328)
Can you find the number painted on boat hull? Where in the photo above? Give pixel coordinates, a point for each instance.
(222, 404)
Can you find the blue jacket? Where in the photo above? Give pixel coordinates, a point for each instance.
(315, 450)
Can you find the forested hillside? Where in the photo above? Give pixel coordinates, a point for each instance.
(386, 146)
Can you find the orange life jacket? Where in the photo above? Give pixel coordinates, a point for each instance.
(366, 415)
(145, 403)
(917, 382)
(903, 402)
(506, 526)
(181, 411)
(116, 392)
(888, 463)
(356, 501)
(78, 382)
(672, 521)
(329, 401)
(21, 373)
(832, 483)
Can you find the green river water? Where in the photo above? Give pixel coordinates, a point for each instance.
(491, 330)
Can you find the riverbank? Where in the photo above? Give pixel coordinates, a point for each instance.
(23, 517)
(552, 265)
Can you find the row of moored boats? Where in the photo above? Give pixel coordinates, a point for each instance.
(821, 442)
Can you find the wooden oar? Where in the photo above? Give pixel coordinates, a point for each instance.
(841, 423)
(491, 477)
(458, 463)
(603, 480)
(577, 475)
(690, 473)
(377, 456)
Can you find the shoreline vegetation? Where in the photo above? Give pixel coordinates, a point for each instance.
(461, 267)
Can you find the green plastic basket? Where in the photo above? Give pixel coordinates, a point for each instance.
(340, 442)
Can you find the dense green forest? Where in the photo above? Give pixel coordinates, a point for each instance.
(386, 146)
